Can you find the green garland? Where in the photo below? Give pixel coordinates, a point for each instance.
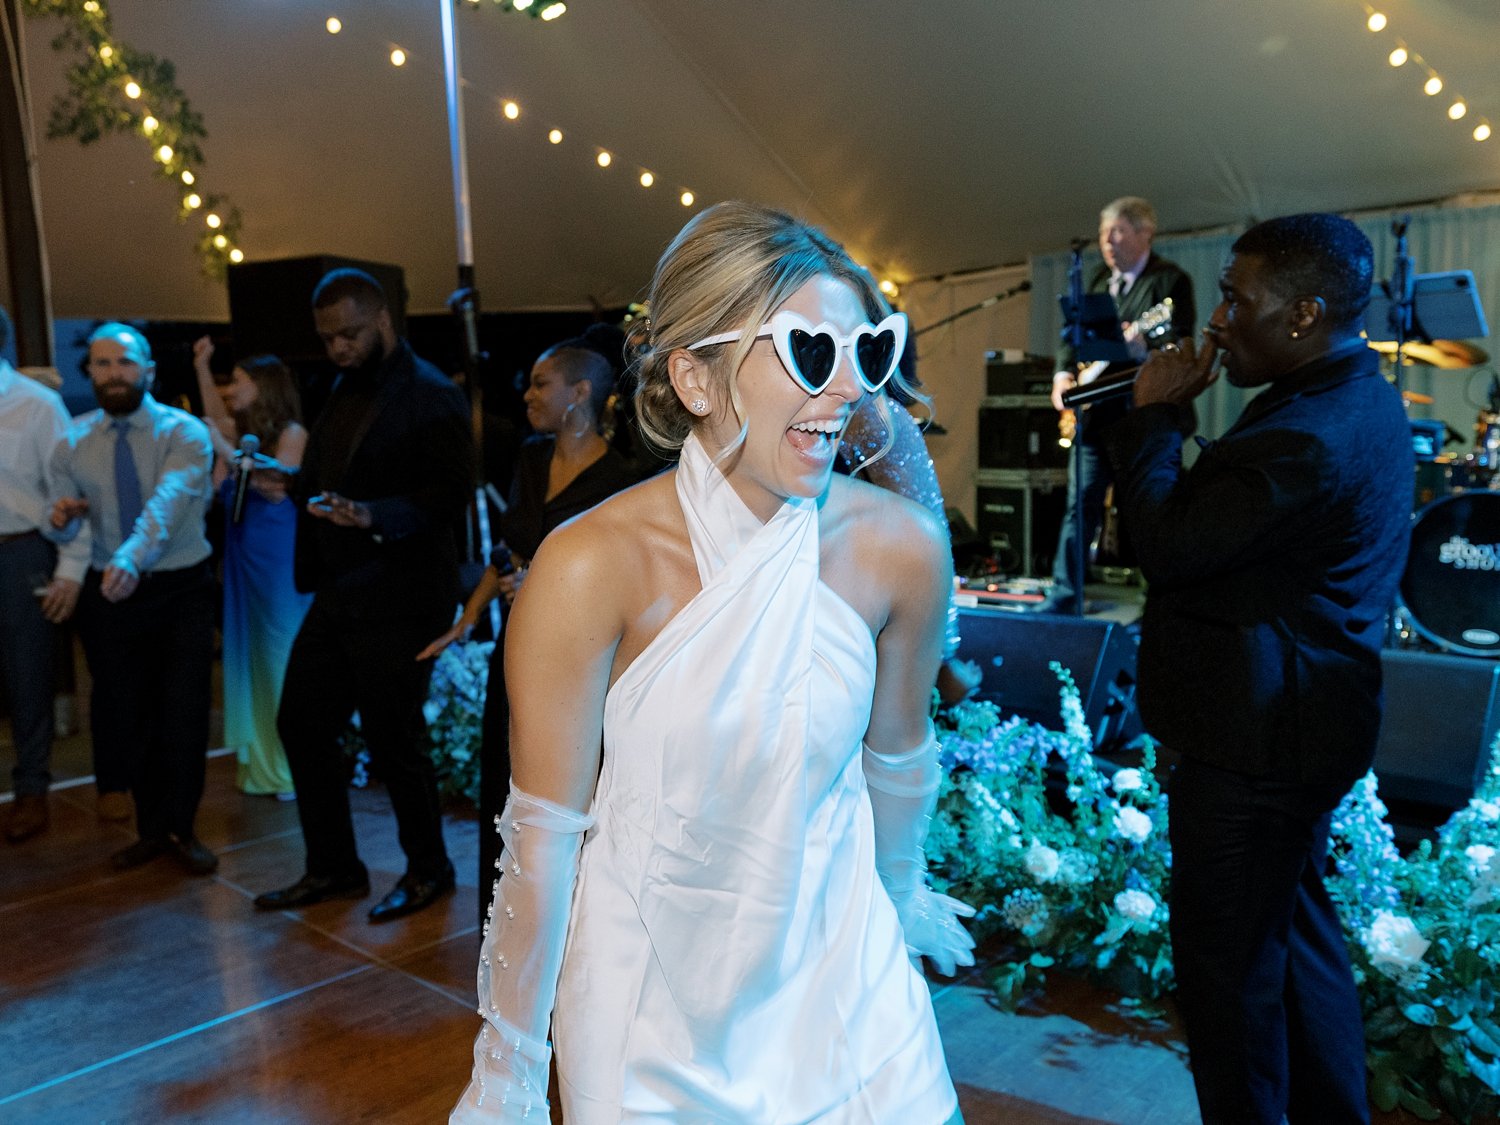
(114, 88)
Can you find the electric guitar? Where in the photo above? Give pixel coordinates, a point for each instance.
(1152, 325)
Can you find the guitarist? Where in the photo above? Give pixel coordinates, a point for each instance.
(1138, 280)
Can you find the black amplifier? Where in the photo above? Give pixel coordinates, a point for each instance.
(1010, 372)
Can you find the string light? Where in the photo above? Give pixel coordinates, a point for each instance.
(552, 11)
(889, 287)
(164, 154)
(1434, 85)
(1398, 57)
(1401, 54)
(555, 136)
(213, 220)
(188, 177)
(334, 25)
(603, 158)
(1457, 109)
(106, 52)
(510, 109)
(193, 201)
(1376, 22)
(686, 199)
(647, 179)
(236, 255)
(132, 90)
(398, 57)
(1482, 131)
(149, 125)
(220, 242)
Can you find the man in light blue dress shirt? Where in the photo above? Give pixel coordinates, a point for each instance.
(38, 586)
(139, 473)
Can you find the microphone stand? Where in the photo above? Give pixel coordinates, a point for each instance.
(1074, 336)
(1401, 287)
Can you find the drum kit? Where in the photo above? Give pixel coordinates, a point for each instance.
(1450, 591)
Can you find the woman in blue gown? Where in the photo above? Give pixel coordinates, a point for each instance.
(262, 608)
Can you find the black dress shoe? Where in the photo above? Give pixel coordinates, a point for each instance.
(412, 893)
(193, 856)
(142, 851)
(315, 888)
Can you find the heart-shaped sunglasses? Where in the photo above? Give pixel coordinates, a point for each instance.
(811, 353)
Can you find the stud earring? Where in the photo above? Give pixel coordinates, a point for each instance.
(1296, 335)
(698, 406)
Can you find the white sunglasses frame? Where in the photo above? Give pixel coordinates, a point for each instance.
(784, 322)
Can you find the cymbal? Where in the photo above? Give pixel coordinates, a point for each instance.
(1440, 353)
(1416, 397)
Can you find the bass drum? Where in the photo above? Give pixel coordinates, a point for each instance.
(1451, 588)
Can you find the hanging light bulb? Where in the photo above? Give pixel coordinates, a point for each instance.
(552, 11)
(1457, 109)
(686, 198)
(1376, 22)
(193, 201)
(1433, 85)
(555, 136)
(220, 241)
(647, 179)
(149, 124)
(398, 57)
(510, 109)
(604, 158)
(132, 89)
(889, 287)
(1482, 131)
(1398, 57)
(106, 52)
(188, 177)
(236, 255)
(213, 220)
(165, 154)
(334, 25)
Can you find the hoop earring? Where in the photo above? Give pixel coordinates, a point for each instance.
(578, 433)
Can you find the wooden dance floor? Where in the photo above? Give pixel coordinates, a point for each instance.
(150, 996)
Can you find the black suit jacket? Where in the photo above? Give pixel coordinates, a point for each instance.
(1272, 563)
(1159, 280)
(412, 463)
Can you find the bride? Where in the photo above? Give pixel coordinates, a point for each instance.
(712, 884)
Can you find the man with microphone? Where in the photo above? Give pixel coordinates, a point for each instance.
(139, 473)
(1271, 565)
(1140, 281)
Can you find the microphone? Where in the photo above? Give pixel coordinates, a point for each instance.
(1107, 387)
(244, 460)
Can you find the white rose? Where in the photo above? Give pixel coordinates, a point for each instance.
(1128, 781)
(1132, 824)
(1042, 862)
(1488, 810)
(1138, 906)
(1480, 856)
(1395, 942)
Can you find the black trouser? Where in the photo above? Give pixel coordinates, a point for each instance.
(26, 664)
(1093, 465)
(345, 661)
(151, 657)
(1263, 981)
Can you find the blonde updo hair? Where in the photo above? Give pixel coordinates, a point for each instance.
(730, 268)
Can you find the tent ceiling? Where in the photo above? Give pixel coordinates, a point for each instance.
(931, 136)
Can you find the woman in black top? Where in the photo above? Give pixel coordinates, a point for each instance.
(562, 471)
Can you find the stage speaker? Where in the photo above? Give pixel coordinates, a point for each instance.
(1020, 513)
(1019, 432)
(1014, 649)
(270, 304)
(1441, 716)
(1008, 372)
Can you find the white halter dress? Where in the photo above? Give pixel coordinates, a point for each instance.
(732, 956)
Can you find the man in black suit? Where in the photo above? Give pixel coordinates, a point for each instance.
(1138, 280)
(1272, 563)
(384, 482)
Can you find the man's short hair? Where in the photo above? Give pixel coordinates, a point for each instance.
(1133, 209)
(1315, 255)
(4, 328)
(114, 328)
(348, 282)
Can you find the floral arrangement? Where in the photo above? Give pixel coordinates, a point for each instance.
(1076, 875)
(1078, 880)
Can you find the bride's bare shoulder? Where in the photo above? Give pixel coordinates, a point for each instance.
(621, 534)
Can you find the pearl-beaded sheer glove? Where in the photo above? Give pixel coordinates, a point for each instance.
(903, 792)
(520, 959)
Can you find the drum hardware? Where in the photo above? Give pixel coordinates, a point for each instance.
(1445, 354)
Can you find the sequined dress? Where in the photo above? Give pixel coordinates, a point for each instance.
(732, 956)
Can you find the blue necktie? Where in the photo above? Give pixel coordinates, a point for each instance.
(127, 480)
